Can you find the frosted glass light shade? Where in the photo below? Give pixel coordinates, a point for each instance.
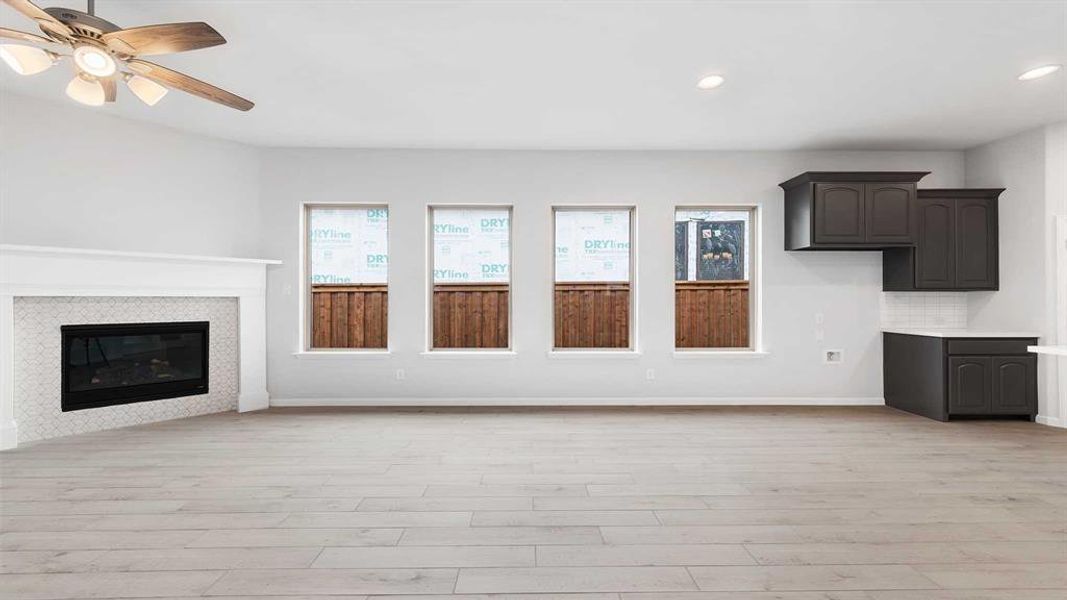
(94, 61)
(147, 90)
(26, 60)
(86, 91)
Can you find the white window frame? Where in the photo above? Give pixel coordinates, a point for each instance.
(430, 248)
(633, 348)
(304, 301)
(755, 298)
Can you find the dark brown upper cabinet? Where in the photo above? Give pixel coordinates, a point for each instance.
(850, 210)
(956, 244)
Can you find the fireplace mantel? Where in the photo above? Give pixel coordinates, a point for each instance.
(48, 271)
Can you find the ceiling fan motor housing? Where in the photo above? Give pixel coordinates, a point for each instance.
(84, 25)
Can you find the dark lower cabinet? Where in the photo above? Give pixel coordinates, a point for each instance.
(970, 385)
(1014, 384)
(956, 244)
(942, 378)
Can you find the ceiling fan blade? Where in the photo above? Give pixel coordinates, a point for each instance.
(110, 88)
(188, 84)
(23, 36)
(163, 39)
(46, 21)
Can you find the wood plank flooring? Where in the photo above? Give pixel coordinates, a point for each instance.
(551, 504)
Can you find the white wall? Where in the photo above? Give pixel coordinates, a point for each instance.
(77, 177)
(844, 286)
(1056, 201)
(1031, 166)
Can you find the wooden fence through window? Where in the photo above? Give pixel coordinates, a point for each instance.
(349, 316)
(711, 314)
(592, 315)
(470, 315)
(708, 314)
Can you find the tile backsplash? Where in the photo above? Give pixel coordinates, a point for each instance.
(942, 310)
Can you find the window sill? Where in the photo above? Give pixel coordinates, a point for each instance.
(712, 354)
(594, 354)
(342, 354)
(468, 354)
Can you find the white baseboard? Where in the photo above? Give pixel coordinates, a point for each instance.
(1051, 421)
(578, 401)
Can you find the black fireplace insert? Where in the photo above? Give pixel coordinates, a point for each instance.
(104, 365)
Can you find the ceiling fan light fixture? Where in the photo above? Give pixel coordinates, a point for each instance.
(101, 51)
(86, 90)
(94, 61)
(27, 60)
(145, 89)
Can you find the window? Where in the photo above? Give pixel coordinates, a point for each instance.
(348, 267)
(593, 277)
(713, 265)
(471, 277)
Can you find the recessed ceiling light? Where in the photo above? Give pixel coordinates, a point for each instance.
(711, 82)
(1039, 72)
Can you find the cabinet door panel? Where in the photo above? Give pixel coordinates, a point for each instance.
(935, 256)
(888, 213)
(970, 385)
(839, 209)
(1014, 385)
(976, 247)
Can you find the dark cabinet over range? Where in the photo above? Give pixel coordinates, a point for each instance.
(956, 246)
(850, 210)
(944, 377)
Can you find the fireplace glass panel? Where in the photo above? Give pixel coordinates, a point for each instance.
(118, 364)
(113, 361)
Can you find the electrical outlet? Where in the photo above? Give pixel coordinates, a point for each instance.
(400, 374)
(833, 357)
(288, 289)
(650, 374)
(819, 318)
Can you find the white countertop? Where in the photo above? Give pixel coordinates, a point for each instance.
(964, 333)
(1055, 350)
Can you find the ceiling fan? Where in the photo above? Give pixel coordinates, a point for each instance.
(101, 52)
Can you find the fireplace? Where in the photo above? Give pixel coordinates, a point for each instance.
(104, 365)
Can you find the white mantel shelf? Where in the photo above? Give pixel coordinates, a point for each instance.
(118, 254)
(62, 272)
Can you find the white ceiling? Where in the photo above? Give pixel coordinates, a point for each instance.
(619, 75)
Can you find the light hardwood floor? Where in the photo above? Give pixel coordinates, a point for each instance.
(597, 504)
